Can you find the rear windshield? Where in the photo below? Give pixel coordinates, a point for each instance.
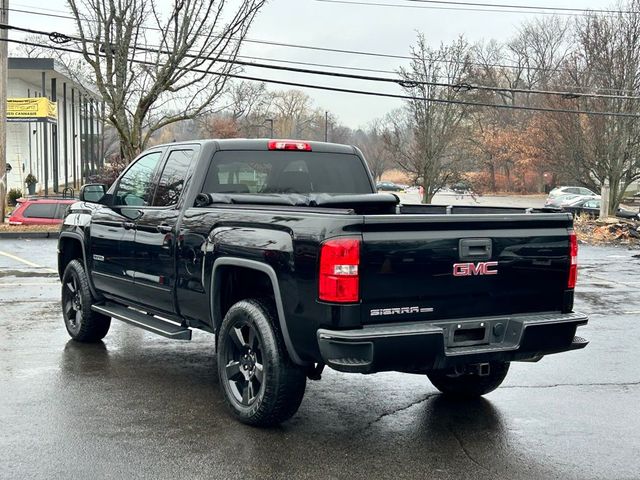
(286, 172)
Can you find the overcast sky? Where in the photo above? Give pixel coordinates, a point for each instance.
(389, 30)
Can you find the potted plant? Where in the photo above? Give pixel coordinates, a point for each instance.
(31, 181)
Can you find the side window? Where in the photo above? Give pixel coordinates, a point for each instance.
(40, 210)
(173, 177)
(592, 204)
(136, 186)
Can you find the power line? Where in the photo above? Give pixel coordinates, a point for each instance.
(364, 92)
(479, 8)
(248, 40)
(277, 60)
(346, 51)
(310, 64)
(460, 86)
(523, 7)
(467, 4)
(365, 53)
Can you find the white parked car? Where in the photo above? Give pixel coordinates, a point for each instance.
(569, 200)
(559, 200)
(556, 192)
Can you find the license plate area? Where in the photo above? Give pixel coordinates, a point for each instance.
(468, 334)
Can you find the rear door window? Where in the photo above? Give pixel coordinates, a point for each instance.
(40, 210)
(235, 174)
(172, 178)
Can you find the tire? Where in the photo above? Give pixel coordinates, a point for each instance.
(83, 324)
(470, 385)
(261, 386)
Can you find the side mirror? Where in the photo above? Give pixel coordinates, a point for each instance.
(92, 192)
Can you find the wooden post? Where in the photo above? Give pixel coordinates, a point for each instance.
(604, 200)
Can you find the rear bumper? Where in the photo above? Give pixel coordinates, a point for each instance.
(420, 347)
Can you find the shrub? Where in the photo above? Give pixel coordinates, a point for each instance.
(31, 179)
(110, 171)
(13, 195)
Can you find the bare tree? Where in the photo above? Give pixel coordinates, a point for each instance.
(424, 132)
(294, 114)
(539, 50)
(534, 58)
(245, 98)
(147, 86)
(375, 149)
(595, 150)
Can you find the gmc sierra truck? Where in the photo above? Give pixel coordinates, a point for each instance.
(284, 252)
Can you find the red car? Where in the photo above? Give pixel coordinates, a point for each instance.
(40, 211)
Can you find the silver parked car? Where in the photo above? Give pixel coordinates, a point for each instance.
(556, 192)
(560, 200)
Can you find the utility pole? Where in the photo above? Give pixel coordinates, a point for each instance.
(326, 126)
(4, 67)
(270, 120)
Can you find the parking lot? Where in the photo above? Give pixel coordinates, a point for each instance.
(141, 406)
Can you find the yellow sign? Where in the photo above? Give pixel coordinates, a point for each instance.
(37, 109)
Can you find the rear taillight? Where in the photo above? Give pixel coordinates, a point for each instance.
(573, 267)
(339, 260)
(289, 145)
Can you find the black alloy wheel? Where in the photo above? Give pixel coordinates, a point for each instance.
(82, 323)
(72, 303)
(243, 363)
(261, 385)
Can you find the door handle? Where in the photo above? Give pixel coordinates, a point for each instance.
(164, 228)
(128, 225)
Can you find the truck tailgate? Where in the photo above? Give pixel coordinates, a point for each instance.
(433, 267)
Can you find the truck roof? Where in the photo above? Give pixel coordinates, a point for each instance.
(263, 144)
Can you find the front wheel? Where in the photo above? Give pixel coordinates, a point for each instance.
(261, 385)
(83, 324)
(469, 385)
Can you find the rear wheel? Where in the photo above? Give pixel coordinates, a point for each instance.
(469, 385)
(83, 324)
(261, 385)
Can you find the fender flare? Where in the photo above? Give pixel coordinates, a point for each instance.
(80, 239)
(262, 267)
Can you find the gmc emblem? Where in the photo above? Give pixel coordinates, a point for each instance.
(473, 269)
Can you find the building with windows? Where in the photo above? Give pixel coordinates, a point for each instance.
(54, 129)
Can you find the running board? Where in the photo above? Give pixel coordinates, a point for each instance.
(144, 321)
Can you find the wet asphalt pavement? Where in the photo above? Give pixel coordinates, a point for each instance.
(141, 406)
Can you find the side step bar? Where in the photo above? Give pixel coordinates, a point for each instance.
(144, 321)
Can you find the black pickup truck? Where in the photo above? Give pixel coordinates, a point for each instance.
(285, 252)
